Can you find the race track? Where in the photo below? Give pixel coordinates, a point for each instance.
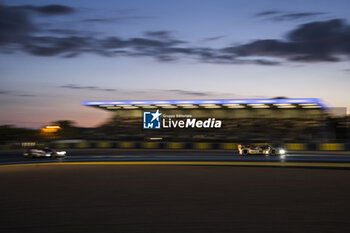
(60, 197)
(315, 159)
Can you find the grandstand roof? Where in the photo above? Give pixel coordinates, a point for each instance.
(281, 103)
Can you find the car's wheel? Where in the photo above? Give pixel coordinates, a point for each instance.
(245, 152)
(273, 152)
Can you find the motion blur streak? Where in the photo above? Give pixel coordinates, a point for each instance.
(174, 199)
(283, 164)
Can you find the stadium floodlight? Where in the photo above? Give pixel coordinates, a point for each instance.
(166, 106)
(314, 106)
(308, 104)
(218, 102)
(259, 106)
(130, 107)
(236, 106)
(187, 106)
(285, 105)
(106, 105)
(210, 106)
(233, 105)
(147, 106)
(207, 105)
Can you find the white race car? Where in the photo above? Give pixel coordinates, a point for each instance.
(260, 150)
(44, 153)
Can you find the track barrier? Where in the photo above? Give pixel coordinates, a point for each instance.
(175, 145)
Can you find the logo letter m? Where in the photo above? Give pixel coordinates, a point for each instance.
(148, 126)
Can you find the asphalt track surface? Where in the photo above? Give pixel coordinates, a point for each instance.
(151, 191)
(300, 159)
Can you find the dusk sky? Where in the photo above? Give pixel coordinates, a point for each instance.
(55, 54)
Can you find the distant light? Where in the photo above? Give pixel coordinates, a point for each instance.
(53, 127)
(308, 104)
(282, 151)
(234, 105)
(207, 105)
(147, 106)
(50, 129)
(311, 107)
(130, 107)
(154, 139)
(210, 106)
(193, 106)
(166, 106)
(258, 105)
(285, 106)
(106, 105)
(290, 106)
(170, 106)
(187, 106)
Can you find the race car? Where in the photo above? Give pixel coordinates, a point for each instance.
(260, 150)
(44, 153)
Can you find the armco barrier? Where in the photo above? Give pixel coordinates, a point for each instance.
(331, 146)
(82, 145)
(175, 145)
(296, 146)
(150, 145)
(181, 145)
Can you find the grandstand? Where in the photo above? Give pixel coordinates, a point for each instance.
(280, 119)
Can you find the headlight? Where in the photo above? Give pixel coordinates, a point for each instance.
(61, 152)
(282, 151)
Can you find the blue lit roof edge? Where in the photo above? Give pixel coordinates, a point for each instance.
(209, 101)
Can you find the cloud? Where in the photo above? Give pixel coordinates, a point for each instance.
(77, 87)
(12, 93)
(294, 16)
(47, 10)
(184, 92)
(283, 16)
(25, 95)
(319, 41)
(54, 9)
(166, 35)
(312, 42)
(119, 19)
(52, 46)
(267, 13)
(15, 26)
(213, 38)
